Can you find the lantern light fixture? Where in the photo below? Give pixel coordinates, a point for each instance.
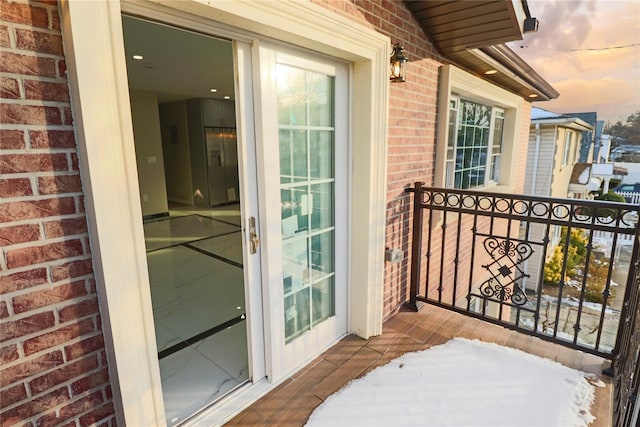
(398, 61)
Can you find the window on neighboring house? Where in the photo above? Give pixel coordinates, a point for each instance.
(567, 148)
(474, 146)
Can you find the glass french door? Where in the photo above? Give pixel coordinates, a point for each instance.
(305, 116)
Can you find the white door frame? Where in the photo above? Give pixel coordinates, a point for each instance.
(94, 51)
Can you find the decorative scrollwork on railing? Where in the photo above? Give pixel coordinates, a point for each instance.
(506, 269)
(490, 289)
(587, 214)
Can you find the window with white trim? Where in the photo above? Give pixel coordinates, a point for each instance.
(478, 142)
(474, 146)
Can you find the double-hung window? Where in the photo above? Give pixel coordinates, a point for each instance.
(475, 143)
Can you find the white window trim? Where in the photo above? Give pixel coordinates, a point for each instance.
(568, 140)
(456, 83)
(489, 156)
(94, 48)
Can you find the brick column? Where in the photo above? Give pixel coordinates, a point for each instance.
(53, 363)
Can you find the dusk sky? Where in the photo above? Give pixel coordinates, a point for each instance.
(578, 50)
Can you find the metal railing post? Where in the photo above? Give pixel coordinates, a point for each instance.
(416, 244)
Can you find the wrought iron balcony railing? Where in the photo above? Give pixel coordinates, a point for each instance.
(564, 270)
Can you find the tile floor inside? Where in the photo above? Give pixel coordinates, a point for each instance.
(197, 288)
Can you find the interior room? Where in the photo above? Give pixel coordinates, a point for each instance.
(182, 106)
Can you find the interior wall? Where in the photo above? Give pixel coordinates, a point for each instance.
(175, 146)
(149, 158)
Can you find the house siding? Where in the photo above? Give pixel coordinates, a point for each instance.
(562, 173)
(546, 155)
(54, 368)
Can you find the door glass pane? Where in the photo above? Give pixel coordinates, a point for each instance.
(292, 110)
(306, 144)
(321, 145)
(187, 162)
(321, 211)
(295, 206)
(323, 300)
(293, 155)
(295, 264)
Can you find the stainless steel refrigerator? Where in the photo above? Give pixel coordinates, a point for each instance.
(222, 165)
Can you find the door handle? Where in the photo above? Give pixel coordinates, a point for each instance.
(254, 241)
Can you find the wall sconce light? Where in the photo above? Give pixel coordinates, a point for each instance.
(398, 60)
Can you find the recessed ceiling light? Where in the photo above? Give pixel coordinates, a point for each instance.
(213, 90)
(533, 95)
(489, 72)
(227, 97)
(138, 57)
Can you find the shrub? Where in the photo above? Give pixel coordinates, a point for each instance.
(575, 256)
(611, 197)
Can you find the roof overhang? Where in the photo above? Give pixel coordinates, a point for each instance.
(472, 33)
(568, 122)
(513, 73)
(468, 24)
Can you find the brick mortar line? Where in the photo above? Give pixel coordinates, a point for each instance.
(54, 263)
(35, 176)
(62, 80)
(32, 28)
(27, 150)
(37, 103)
(32, 53)
(45, 241)
(28, 127)
(40, 197)
(36, 190)
(42, 220)
(48, 263)
(40, 173)
(49, 285)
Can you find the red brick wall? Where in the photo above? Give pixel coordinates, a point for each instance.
(412, 125)
(54, 369)
(412, 131)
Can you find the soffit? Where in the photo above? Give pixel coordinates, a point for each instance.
(472, 33)
(513, 73)
(466, 24)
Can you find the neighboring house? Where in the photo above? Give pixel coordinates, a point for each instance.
(555, 167)
(588, 143)
(554, 170)
(102, 103)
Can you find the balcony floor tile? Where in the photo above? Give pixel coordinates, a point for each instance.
(292, 403)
